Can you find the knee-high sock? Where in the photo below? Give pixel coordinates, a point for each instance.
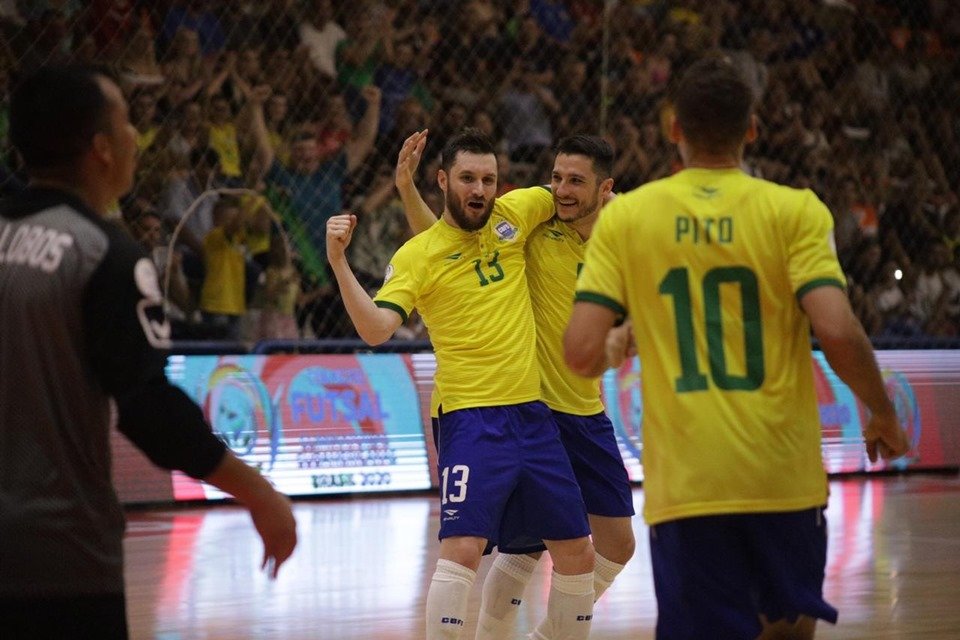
(502, 593)
(604, 573)
(447, 600)
(569, 609)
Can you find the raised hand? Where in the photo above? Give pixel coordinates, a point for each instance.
(409, 159)
(339, 233)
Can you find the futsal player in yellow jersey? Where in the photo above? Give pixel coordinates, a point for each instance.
(723, 276)
(580, 184)
(502, 466)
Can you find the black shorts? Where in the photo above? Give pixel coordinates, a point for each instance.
(80, 617)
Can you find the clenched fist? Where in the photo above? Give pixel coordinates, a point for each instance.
(339, 233)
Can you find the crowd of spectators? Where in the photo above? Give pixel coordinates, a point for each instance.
(259, 119)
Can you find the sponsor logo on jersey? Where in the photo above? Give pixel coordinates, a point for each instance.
(453, 256)
(388, 274)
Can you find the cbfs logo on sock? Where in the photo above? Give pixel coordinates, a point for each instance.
(456, 621)
(584, 618)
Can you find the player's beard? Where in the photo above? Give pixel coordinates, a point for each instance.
(464, 221)
(582, 210)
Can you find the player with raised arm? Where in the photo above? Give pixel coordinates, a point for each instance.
(580, 184)
(723, 276)
(502, 466)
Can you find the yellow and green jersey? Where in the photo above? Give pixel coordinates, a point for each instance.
(554, 258)
(471, 291)
(223, 140)
(710, 265)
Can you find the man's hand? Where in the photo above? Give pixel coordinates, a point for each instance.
(619, 345)
(409, 159)
(372, 94)
(260, 94)
(884, 438)
(339, 233)
(277, 527)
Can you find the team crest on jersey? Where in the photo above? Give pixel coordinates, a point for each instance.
(388, 274)
(505, 231)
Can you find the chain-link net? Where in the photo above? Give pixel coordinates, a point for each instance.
(306, 104)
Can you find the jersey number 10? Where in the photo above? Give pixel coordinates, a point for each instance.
(677, 284)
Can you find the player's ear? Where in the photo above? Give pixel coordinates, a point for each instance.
(751, 130)
(674, 132)
(442, 180)
(606, 186)
(101, 148)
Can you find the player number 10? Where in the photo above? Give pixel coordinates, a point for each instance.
(677, 285)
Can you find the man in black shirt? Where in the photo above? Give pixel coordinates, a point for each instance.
(80, 327)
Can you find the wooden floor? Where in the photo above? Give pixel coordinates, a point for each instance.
(363, 566)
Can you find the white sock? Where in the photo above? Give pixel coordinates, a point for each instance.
(604, 573)
(447, 600)
(569, 609)
(502, 593)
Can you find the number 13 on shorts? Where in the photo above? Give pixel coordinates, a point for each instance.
(454, 478)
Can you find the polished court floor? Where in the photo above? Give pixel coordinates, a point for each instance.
(363, 566)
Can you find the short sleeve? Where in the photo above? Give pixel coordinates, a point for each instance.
(401, 283)
(528, 207)
(602, 279)
(811, 250)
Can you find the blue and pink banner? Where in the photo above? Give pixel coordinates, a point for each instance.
(924, 385)
(313, 424)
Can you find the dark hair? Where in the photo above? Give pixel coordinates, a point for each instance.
(207, 157)
(54, 115)
(713, 104)
(226, 202)
(594, 147)
(303, 136)
(469, 140)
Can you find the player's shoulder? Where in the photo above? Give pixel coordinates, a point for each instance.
(517, 199)
(431, 241)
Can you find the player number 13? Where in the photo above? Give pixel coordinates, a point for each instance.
(677, 285)
(460, 485)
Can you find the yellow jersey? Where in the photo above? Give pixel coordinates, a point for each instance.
(471, 291)
(554, 258)
(710, 265)
(223, 140)
(224, 284)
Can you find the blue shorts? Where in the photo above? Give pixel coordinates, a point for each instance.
(598, 466)
(715, 575)
(490, 457)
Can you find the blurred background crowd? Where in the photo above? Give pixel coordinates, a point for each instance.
(259, 119)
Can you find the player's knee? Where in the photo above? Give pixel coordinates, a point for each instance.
(613, 538)
(571, 557)
(464, 550)
(804, 628)
(622, 548)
